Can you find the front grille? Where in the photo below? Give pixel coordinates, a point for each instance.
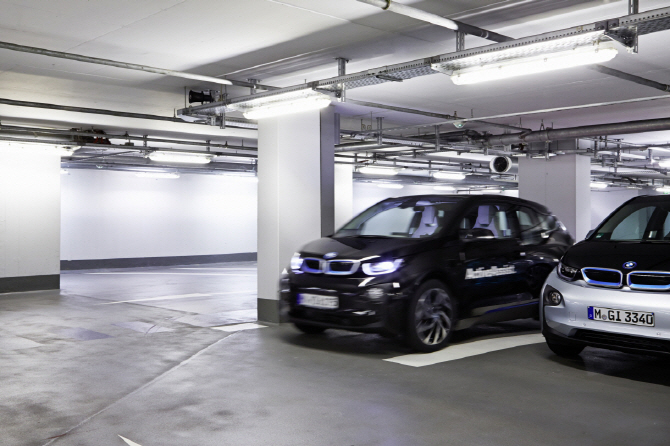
(623, 341)
(341, 267)
(312, 266)
(331, 267)
(609, 278)
(649, 281)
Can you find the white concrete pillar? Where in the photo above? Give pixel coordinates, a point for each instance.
(295, 194)
(29, 218)
(563, 184)
(344, 194)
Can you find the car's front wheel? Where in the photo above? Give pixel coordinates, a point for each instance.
(309, 329)
(565, 350)
(431, 317)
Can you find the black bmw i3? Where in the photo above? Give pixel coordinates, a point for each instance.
(425, 266)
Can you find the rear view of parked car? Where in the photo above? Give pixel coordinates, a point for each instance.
(425, 266)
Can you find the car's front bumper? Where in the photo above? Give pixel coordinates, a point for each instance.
(568, 322)
(378, 307)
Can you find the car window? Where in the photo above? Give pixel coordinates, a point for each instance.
(531, 226)
(406, 218)
(636, 222)
(487, 220)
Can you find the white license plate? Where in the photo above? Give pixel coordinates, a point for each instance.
(631, 317)
(318, 301)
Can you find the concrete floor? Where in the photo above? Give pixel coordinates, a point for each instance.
(78, 368)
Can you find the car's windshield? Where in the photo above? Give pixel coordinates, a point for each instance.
(637, 221)
(405, 218)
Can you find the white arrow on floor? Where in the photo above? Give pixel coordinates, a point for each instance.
(131, 443)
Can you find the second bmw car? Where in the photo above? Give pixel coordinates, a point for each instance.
(613, 289)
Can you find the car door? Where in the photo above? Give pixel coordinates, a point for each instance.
(489, 258)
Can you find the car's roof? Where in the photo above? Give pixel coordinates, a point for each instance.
(473, 199)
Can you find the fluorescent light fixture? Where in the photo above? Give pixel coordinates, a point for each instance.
(390, 186)
(377, 170)
(664, 189)
(287, 108)
(598, 185)
(186, 158)
(157, 175)
(444, 188)
(662, 149)
(278, 104)
(539, 63)
(449, 175)
(664, 163)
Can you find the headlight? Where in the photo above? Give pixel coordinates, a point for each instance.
(379, 268)
(296, 262)
(566, 272)
(552, 296)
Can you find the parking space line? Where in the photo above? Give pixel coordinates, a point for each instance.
(171, 274)
(239, 327)
(179, 296)
(460, 351)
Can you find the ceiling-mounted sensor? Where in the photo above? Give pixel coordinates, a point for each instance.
(500, 164)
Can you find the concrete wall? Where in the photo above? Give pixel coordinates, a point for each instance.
(29, 218)
(112, 215)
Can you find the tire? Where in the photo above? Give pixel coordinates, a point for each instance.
(565, 350)
(431, 318)
(309, 329)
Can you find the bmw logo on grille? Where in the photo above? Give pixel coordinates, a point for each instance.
(629, 265)
(330, 255)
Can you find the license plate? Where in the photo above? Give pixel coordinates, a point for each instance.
(318, 301)
(630, 317)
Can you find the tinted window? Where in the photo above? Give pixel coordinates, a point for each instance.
(487, 220)
(636, 222)
(405, 218)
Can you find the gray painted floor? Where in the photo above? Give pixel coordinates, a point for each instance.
(80, 369)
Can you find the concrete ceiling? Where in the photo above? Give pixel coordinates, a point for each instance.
(285, 42)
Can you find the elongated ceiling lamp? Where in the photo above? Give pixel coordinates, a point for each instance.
(378, 170)
(279, 104)
(532, 58)
(186, 158)
(449, 175)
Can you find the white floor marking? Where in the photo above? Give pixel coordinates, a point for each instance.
(239, 327)
(172, 274)
(221, 269)
(460, 351)
(131, 443)
(180, 296)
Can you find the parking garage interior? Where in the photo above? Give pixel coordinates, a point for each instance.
(158, 171)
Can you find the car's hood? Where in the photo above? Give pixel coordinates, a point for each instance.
(647, 256)
(356, 248)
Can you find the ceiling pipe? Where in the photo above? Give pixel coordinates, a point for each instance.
(33, 130)
(619, 128)
(418, 14)
(246, 152)
(425, 113)
(629, 77)
(230, 122)
(128, 66)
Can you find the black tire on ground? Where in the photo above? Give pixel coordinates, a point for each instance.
(309, 329)
(565, 350)
(431, 317)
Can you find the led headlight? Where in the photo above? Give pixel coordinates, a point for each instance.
(296, 262)
(552, 296)
(566, 272)
(379, 268)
